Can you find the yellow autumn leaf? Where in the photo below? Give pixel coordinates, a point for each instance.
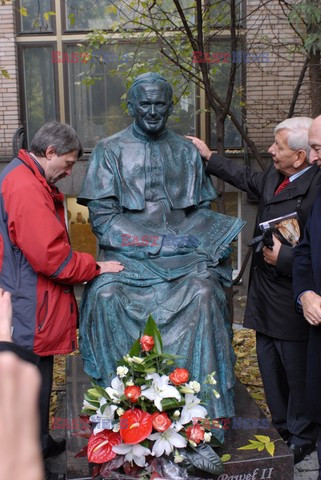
(257, 443)
(4, 72)
(270, 447)
(23, 11)
(248, 447)
(226, 457)
(263, 438)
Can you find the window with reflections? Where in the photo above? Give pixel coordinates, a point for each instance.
(39, 87)
(221, 58)
(84, 15)
(36, 16)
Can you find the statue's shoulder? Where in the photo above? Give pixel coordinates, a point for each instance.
(114, 140)
(182, 143)
(111, 145)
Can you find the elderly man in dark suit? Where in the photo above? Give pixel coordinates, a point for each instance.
(307, 289)
(290, 184)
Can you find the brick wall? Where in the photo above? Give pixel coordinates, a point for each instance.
(9, 96)
(270, 85)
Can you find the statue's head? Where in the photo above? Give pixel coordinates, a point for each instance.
(150, 102)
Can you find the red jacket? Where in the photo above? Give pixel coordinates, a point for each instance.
(37, 264)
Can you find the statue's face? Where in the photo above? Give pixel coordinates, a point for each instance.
(151, 107)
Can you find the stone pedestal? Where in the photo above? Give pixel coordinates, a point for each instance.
(243, 464)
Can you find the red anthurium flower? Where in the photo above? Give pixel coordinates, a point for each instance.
(132, 393)
(161, 422)
(179, 376)
(195, 433)
(147, 343)
(100, 446)
(135, 426)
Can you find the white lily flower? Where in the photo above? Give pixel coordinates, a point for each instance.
(211, 379)
(167, 441)
(207, 436)
(104, 420)
(217, 395)
(160, 389)
(192, 409)
(195, 386)
(176, 414)
(133, 453)
(116, 390)
(122, 371)
(128, 359)
(120, 411)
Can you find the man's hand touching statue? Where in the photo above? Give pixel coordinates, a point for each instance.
(110, 267)
(203, 149)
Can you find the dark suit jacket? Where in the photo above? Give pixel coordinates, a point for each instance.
(307, 276)
(270, 308)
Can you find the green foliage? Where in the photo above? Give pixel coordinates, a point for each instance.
(306, 18)
(4, 72)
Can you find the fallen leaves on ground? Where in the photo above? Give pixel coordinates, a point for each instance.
(246, 367)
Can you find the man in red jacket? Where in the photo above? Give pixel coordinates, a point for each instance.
(37, 264)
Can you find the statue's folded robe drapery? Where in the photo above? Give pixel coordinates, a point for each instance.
(136, 189)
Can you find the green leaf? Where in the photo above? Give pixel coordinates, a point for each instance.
(263, 438)
(94, 392)
(23, 11)
(152, 330)
(226, 457)
(206, 459)
(4, 73)
(135, 350)
(168, 403)
(270, 447)
(71, 18)
(91, 400)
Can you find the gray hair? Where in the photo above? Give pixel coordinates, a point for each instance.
(60, 136)
(149, 78)
(298, 128)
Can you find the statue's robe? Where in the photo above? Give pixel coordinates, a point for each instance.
(137, 188)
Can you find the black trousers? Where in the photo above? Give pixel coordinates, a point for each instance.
(319, 449)
(45, 366)
(283, 369)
